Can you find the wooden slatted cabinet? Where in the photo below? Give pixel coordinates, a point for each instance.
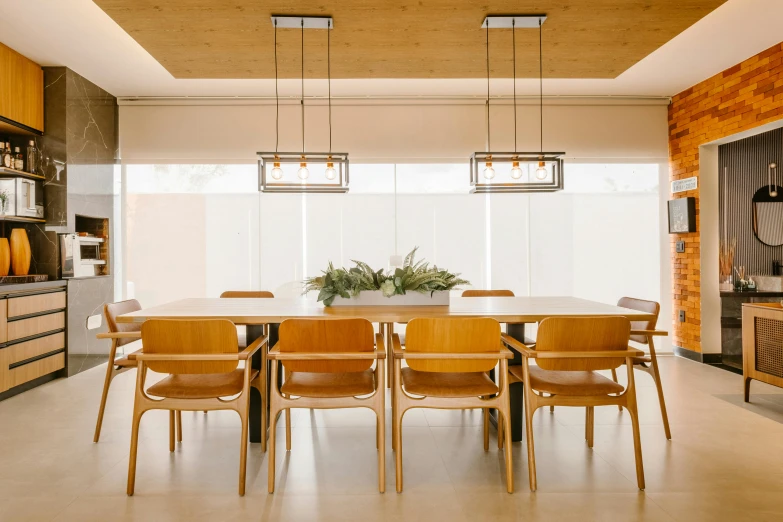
(32, 337)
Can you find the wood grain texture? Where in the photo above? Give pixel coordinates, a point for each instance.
(22, 351)
(264, 311)
(487, 293)
(35, 325)
(346, 335)
(20, 252)
(452, 335)
(388, 39)
(21, 89)
(582, 334)
(192, 338)
(257, 294)
(32, 304)
(33, 370)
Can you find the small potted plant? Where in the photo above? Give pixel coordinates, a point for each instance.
(3, 201)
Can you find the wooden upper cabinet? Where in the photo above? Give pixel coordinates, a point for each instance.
(21, 89)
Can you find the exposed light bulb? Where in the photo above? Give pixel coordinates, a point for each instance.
(303, 172)
(541, 172)
(489, 172)
(331, 173)
(516, 172)
(277, 172)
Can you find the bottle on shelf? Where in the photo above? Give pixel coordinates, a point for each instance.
(18, 159)
(32, 158)
(8, 158)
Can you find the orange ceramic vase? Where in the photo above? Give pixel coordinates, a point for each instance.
(5, 256)
(20, 252)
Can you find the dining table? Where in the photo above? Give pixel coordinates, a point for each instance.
(259, 314)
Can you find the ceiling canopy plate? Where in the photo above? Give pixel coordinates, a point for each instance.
(310, 22)
(513, 21)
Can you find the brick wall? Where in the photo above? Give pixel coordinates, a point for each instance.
(740, 98)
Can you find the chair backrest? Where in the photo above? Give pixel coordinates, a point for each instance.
(112, 310)
(324, 336)
(184, 336)
(582, 334)
(643, 306)
(452, 335)
(249, 294)
(487, 293)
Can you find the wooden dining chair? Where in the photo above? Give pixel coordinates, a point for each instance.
(569, 352)
(202, 359)
(127, 337)
(643, 333)
(448, 360)
(490, 293)
(327, 365)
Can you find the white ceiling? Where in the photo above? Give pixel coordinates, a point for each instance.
(79, 35)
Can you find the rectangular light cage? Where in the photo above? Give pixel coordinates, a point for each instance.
(289, 164)
(503, 181)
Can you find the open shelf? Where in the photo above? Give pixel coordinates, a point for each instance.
(22, 219)
(5, 172)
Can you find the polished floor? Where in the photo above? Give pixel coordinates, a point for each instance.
(725, 461)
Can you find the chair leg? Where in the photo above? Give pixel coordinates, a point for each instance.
(531, 451)
(243, 448)
(381, 449)
(288, 429)
(179, 426)
(500, 431)
(104, 395)
(398, 453)
(630, 398)
(590, 425)
(133, 451)
(486, 429)
(271, 450)
(614, 378)
(507, 450)
(657, 378)
(552, 406)
(171, 430)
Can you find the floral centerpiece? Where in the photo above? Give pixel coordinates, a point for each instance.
(412, 277)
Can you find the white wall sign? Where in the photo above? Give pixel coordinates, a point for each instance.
(684, 185)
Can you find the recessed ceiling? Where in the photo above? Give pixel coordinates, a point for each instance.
(410, 39)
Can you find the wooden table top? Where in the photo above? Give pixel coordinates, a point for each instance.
(263, 311)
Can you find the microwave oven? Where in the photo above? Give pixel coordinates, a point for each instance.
(24, 197)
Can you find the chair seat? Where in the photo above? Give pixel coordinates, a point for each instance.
(568, 383)
(446, 384)
(201, 386)
(343, 384)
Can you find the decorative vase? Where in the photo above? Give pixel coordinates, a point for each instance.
(20, 252)
(5, 256)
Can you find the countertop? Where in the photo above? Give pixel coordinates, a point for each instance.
(27, 287)
(756, 293)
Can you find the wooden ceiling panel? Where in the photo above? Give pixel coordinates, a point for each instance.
(408, 39)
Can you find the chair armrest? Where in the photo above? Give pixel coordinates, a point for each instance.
(397, 347)
(612, 354)
(518, 346)
(185, 357)
(277, 355)
(119, 335)
(253, 348)
(649, 332)
(503, 353)
(380, 345)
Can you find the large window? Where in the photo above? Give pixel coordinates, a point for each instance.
(197, 230)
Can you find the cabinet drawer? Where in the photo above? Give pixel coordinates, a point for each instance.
(29, 349)
(33, 370)
(35, 325)
(33, 304)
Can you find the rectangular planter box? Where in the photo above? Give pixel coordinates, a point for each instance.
(410, 299)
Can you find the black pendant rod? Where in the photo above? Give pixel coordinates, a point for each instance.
(514, 55)
(303, 115)
(541, 81)
(489, 140)
(329, 78)
(277, 98)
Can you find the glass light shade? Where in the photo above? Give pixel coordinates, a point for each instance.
(489, 172)
(541, 171)
(331, 173)
(516, 172)
(303, 172)
(277, 172)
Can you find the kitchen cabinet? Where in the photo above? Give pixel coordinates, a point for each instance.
(21, 93)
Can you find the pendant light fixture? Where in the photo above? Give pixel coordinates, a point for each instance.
(335, 173)
(529, 171)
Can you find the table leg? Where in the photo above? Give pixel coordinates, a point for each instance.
(516, 390)
(253, 333)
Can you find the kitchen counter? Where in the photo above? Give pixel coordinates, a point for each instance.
(757, 293)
